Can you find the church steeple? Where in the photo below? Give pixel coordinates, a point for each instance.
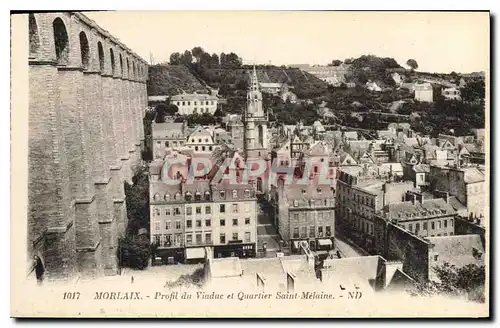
(254, 83)
(254, 96)
(255, 119)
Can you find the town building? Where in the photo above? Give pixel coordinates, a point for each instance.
(333, 75)
(361, 194)
(193, 219)
(418, 173)
(373, 86)
(451, 93)
(423, 92)
(271, 88)
(421, 255)
(167, 137)
(167, 220)
(200, 141)
(467, 184)
(286, 95)
(235, 220)
(305, 212)
(421, 214)
(296, 274)
(195, 103)
(87, 98)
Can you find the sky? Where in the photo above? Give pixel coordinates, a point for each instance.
(438, 41)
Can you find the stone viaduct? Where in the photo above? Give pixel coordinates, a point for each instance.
(87, 98)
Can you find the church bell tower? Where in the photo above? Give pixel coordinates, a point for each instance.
(255, 120)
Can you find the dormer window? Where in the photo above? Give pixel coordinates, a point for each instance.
(235, 194)
(188, 196)
(318, 190)
(207, 195)
(303, 191)
(167, 197)
(197, 196)
(177, 195)
(157, 197)
(247, 193)
(222, 194)
(295, 203)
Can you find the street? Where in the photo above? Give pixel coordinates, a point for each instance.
(347, 249)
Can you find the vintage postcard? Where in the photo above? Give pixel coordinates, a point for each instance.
(250, 164)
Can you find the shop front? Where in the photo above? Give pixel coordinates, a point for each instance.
(195, 254)
(235, 249)
(325, 244)
(170, 255)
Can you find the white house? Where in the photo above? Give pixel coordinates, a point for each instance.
(423, 92)
(373, 86)
(201, 141)
(451, 93)
(194, 103)
(270, 88)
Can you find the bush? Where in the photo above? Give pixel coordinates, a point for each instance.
(188, 280)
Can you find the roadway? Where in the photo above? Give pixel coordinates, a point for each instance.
(348, 249)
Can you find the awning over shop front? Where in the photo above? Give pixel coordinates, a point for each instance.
(325, 242)
(195, 253)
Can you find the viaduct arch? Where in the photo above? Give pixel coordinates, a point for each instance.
(85, 135)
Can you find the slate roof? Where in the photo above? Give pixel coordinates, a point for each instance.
(473, 175)
(409, 211)
(167, 130)
(364, 269)
(458, 206)
(225, 267)
(421, 168)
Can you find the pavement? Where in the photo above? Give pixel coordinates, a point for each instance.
(348, 249)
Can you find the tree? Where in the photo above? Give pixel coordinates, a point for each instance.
(412, 63)
(175, 58)
(171, 109)
(218, 113)
(186, 59)
(474, 90)
(214, 61)
(335, 62)
(348, 61)
(137, 195)
(468, 280)
(134, 251)
(233, 61)
(197, 52)
(205, 61)
(161, 112)
(242, 85)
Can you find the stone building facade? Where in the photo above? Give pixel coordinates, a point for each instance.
(467, 184)
(87, 95)
(360, 196)
(305, 212)
(194, 219)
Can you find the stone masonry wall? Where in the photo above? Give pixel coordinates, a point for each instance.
(85, 123)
